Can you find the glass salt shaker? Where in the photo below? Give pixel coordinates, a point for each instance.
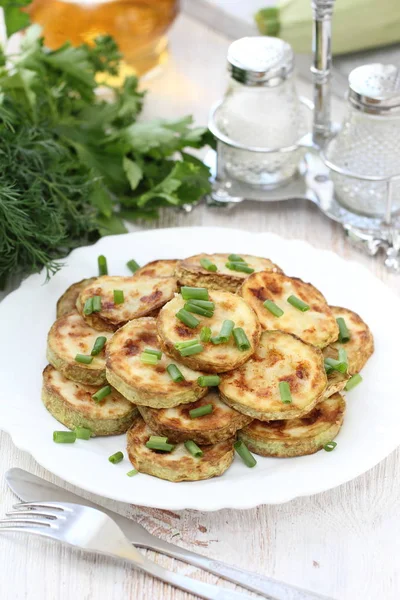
(368, 143)
(260, 109)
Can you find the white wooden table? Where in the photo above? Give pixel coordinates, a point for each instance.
(344, 543)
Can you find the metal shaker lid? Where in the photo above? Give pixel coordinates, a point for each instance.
(375, 89)
(260, 60)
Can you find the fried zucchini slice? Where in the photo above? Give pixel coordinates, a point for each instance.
(253, 389)
(69, 336)
(177, 425)
(158, 268)
(72, 405)
(336, 381)
(361, 344)
(214, 358)
(143, 384)
(190, 272)
(316, 326)
(178, 465)
(144, 294)
(67, 302)
(296, 437)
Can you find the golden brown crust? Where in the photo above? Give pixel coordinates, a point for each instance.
(178, 465)
(316, 326)
(158, 268)
(67, 302)
(190, 272)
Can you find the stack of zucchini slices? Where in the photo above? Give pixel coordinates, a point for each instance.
(200, 357)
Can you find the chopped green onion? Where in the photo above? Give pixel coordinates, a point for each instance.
(205, 334)
(336, 365)
(352, 382)
(241, 339)
(116, 458)
(148, 359)
(132, 265)
(199, 310)
(209, 380)
(344, 333)
(157, 353)
(208, 265)
(193, 449)
(88, 306)
(284, 390)
(186, 318)
(245, 454)
(102, 262)
(239, 266)
(180, 345)
(132, 473)
(273, 308)
(226, 330)
(64, 437)
(118, 296)
(194, 293)
(297, 303)
(201, 411)
(190, 350)
(98, 345)
(102, 393)
(96, 303)
(216, 340)
(330, 446)
(203, 303)
(343, 356)
(175, 373)
(328, 369)
(235, 258)
(84, 359)
(162, 446)
(83, 433)
(158, 439)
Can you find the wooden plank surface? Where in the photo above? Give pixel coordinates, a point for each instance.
(344, 543)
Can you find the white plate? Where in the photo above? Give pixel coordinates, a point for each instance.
(370, 431)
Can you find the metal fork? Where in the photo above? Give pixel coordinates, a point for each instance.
(93, 531)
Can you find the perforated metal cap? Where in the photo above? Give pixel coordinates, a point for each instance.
(375, 89)
(260, 60)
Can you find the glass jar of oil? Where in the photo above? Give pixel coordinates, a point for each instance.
(138, 26)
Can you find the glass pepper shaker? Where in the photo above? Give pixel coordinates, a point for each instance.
(368, 143)
(260, 109)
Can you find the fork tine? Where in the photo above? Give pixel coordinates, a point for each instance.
(21, 521)
(44, 531)
(31, 513)
(34, 505)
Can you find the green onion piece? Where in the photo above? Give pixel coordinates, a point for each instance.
(84, 359)
(209, 380)
(201, 411)
(98, 345)
(344, 333)
(205, 334)
(241, 339)
(102, 262)
(96, 303)
(343, 356)
(64, 437)
(239, 266)
(187, 319)
(193, 449)
(273, 308)
(180, 345)
(132, 473)
(158, 439)
(132, 265)
(208, 265)
(162, 446)
(235, 258)
(352, 382)
(102, 393)
(328, 369)
(157, 353)
(148, 359)
(175, 373)
(216, 340)
(199, 310)
(336, 365)
(194, 293)
(297, 303)
(88, 306)
(245, 454)
(226, 330)
(284, 390)
(330, 446)
(116, 458)
(203, 303)
(190, 350)
(83, 433)
(118, 296)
